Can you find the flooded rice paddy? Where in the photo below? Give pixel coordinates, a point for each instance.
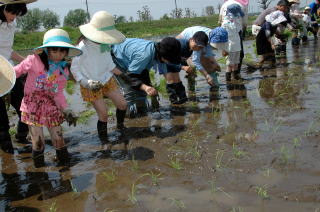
(252, 146)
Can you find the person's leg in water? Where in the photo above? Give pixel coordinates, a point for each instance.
(5, 139)
(62, 153)
(38, 145)
(228, 73)
(212, 68)
(175, 88)
(242, 35)
(15, 100)
(102, 124)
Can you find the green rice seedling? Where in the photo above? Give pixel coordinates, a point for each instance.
(237, 152)
(195, 151)
(237, 209)
(12, 131)
(177, 203)
(266, 173)
(84, 116)
(276, 126)
(213, 186)
(262, 192)
(310, 129)
(53, 207)
(175, 163)
(135, 164)
(285, 155)
(110, 177)
(297, 142)
(132, 196)
(70, 87)
(222, 60)
(154, 177)
(75, 192)
(219, 155)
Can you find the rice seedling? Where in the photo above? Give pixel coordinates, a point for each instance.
(84, 116)
(177, 203)
(175, 163)
(135, 164)
(53, 207)
(237, 209)
(132, 196)
(75, 192)
(297, 142)
(154, 177)
(310, 128)
(262, 192)
(110, 177)
(12, 131)
(237, 152)
(70, 87)
(213, 186)
(266, 173)
(219, 155)
(285, 155)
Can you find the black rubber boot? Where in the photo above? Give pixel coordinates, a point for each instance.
(5, 142)
(236, 74)
(102, 128)
(38, 158)
(121, 114)
(172, 93)
(181, 93)
(62, 155)
(228, 76)
(22, 133)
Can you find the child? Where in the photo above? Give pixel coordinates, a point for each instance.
(275, 24)
(307, 24)
(232, 24)
(9, 10)
(94, 69)
(44, 104)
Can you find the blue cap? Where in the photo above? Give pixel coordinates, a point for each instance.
(235, 10)
(218, 35)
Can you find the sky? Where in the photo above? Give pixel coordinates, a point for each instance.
(129, 8)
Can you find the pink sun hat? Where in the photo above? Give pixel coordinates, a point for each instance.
(243, 2)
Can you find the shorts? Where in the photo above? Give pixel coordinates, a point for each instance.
(233, 58)
(90, 96)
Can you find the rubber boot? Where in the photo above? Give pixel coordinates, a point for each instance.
(228, 76)
(214, 76)
(236, 74)
(181, 93)
(38, 158)
(5, 142)
(120, 114)
(102, 128)
(172, 93)
(62, 155)
(22, 133)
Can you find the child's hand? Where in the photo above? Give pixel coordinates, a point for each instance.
(70, 117)
(188, 69)
(224, 53)
(94, 85)
(149, 90)
(209, 80)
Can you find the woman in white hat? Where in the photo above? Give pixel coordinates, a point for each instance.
(94, 69)
(44, 104)
(9, 10)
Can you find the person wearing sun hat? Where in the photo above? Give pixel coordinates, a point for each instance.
(307, 24)
(9, 10)
(44, 104)
(315, 14)
(204, 60)
(95, 70)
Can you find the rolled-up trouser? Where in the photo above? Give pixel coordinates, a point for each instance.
(255, 29)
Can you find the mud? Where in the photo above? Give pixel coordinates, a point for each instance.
(252, 146)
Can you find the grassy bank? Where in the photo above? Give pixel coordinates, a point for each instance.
(132, 29)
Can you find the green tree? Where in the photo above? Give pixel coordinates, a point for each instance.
(119, 19)
(209, 10)
(145, 14)
(75, 18)
(31, 21)
(50, 19)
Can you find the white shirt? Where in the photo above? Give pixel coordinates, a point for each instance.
(92, 64)
(223, 11)
(6, 38)
(233, 26)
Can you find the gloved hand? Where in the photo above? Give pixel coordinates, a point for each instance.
(70, 117)
(93, 85)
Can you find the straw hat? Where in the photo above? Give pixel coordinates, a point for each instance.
(294, 1)
(307, 8)
(7, 76)
(101, 29)
(4, 2)
(59, 38)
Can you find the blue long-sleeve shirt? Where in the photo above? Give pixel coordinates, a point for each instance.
(314, 7)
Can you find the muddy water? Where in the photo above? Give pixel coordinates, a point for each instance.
(253, 146)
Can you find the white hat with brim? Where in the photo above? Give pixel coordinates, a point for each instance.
(7, 76)
(4, 2)
(101, 29)
(307, 8)
(59, 38)
(220, 46)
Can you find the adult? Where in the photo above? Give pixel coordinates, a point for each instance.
(9, 11)
(244, 21)
(315, 13)
(135, 57)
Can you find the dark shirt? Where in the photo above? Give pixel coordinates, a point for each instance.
(186, 52)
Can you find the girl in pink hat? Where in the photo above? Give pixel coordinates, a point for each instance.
(44, 104)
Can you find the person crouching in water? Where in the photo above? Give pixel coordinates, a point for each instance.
(274, 25)
(94, 70)
(175, 88)
(44, 104)
(232, 23)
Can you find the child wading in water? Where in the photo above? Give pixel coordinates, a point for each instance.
(94, 69)
(232, 23)
(44, 104)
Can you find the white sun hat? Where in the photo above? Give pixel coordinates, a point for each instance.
(7, 76)
(59, 38)
(101, 29)
(4, 2)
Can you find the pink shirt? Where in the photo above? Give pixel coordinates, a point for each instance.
(38, 80)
